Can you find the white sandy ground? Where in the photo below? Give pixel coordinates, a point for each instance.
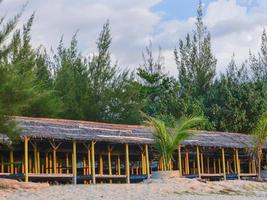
(171, 188)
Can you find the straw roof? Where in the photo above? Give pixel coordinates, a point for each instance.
(220, 139)
(61, 129)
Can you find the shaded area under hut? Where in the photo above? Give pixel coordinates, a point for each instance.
(58, 150)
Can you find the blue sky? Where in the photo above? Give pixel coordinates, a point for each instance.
(183, 9)
(235, 25)
(177, 9)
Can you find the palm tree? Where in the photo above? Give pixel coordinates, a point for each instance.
(260, 134)
(168, 139)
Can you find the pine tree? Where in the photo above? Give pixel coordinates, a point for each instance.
(9, 104)
(71, 80)
(195, 62)
(158, 91)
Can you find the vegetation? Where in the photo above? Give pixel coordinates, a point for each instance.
(260, 134)
(167, 139)
(66, 84)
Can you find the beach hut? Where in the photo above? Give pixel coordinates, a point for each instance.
(92, 152)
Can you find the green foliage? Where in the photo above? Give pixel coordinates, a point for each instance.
(168, 139)
(71, 85)
(158, 91)
(195, 62)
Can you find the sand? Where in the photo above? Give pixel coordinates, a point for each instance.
(163, 188)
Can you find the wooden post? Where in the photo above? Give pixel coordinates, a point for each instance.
(187, 162)
(223, 162)
(34, 144)
(54, 160)
(46, 163)
(202, 163)
(26, 156)
(198, 163)
(93, 161)
(119, 165)
(147, 161)
(235, 164)
(11, 154)
(89, 159)
(127, 165)
(74, 161)
(109, 163)
(238, 163)
(38, 161)
(50, 164)
(100, 164)
(180, 160)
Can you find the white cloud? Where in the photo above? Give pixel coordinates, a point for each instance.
(234, 27)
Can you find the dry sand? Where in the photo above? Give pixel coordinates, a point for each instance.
(164, 188)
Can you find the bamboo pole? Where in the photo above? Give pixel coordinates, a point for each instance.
(198, 163)
(50, 164)
(142, 162)
(89, 159)
(74, 161)
(223, 162)
(11, 154)
(46, 163)
(119, 164)
(127, 166)
(26, 156)
(34, 144)
(202, 163)
(38, 161)
(93, 161)
(235, 164)
(54, 160)
(109, 163)
(84, 166)
(100, 164)
(187, 162)
(238, 163)
(147, 161)
(180, 160)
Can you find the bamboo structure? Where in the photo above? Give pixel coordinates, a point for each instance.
(74, 161)
(223, 162)
(26, 155)
(118, 145)
(127, 165)
(198, 163)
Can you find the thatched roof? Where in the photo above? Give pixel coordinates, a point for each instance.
(61, 129)
(220, 139)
